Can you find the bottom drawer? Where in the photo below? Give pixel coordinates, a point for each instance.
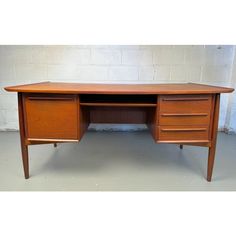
(183, 133)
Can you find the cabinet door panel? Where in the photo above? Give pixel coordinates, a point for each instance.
(51, 116)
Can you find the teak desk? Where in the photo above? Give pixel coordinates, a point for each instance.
(174, 113)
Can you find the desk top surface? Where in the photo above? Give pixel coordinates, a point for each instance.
(80, 88)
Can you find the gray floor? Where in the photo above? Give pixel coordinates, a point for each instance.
(116, 161)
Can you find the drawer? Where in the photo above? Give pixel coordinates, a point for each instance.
(185, 103)
(199, 118)
(183, 133)
(51, 116)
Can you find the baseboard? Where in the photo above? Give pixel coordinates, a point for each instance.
(229, 131)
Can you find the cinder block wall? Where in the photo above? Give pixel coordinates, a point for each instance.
(230, 123)
(114, 64)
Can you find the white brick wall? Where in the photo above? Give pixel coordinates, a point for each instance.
(123, 73)
(230, 119)
(137, 57)
(113, 64)
(105, 57)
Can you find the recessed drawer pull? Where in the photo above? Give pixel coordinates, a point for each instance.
(185, 99)
(184, 114)
(52, 98)
(183, 129)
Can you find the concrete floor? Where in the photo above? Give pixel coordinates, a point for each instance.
(116, 161)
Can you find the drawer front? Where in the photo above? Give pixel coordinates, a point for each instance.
(202, 118)
(183, 133)
(51, 116)
(185, 103)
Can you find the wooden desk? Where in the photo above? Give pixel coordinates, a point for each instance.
(174, 113)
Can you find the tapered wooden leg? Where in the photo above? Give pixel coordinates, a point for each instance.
(212, 149)
(181, 146)
(24, 147)
(211, 158)
(25, 160)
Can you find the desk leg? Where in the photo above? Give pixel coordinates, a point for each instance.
(181, 146)
(25, 160)
(211, 158)
(212, 149)
(24, 147)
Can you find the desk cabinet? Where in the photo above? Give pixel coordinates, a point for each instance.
(184, 118)
(174, 113)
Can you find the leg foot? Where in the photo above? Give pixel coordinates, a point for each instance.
(181, 146)
(55, 145)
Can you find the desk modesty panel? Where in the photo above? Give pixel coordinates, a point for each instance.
(174, 113)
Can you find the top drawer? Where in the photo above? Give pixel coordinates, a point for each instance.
(185, 103)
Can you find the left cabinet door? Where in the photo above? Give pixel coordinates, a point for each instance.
(51, 116)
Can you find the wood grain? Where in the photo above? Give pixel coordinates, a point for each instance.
(184, 119)
(212, 149)
(187, 133)
(185, 104)
(24, 147)
(118, 115)
(112, 104)
(77, 88)
(53, 117)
